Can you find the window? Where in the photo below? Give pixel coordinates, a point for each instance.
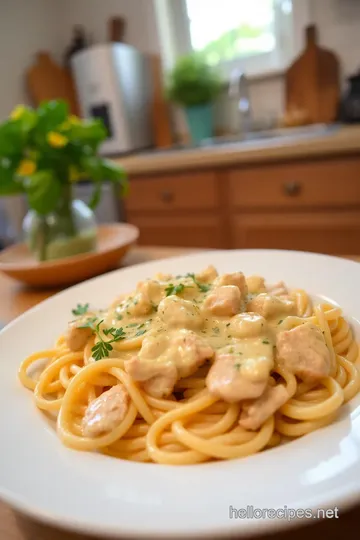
(232, 29)
(253, 35)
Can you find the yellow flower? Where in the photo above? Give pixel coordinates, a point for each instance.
(56, 140)
(73, 119)
(17, 112)
(26, 167)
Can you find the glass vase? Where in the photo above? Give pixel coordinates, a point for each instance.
(69, 230)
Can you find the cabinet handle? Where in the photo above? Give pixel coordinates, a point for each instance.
(167, 196)
(292, 188)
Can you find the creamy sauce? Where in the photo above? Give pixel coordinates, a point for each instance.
(155, 310)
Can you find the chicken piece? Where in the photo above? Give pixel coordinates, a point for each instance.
(162, 361)
(234, 377)
(237, 279)
(179, 313)
(151, 290)
(163, 277)
(278, 289)
(254, 413)
(246, 325)
(267, 305)
(106, 412)
(208, 275)
(255, 284)
(224, 301)
(303, 351)
(78, 336)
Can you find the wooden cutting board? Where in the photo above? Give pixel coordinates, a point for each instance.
(47, 80)
(160, 112)
(313, 83)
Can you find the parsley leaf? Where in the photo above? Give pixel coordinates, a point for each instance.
(80, 309)
(216, 330)
(99, 351)
(281, 320)
(102, 347)
(266, 342)
(140, 333)
(174, 289)
(237, 366)
(201, 286)
(89, 323)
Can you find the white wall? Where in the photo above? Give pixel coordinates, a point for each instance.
(26, 26)
(140, 30)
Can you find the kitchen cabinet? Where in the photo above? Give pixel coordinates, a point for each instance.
(322, 232)
(309, 204)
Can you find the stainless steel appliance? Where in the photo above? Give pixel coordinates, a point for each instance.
(113, 81)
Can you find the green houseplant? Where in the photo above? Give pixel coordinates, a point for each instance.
(43, 152)
(194, 85)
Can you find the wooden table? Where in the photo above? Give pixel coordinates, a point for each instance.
(14, 300)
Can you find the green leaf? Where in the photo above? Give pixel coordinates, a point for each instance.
(116, 174)
(27, 120)
(93, 167)
(9, 184)
(80, 309)
(96, 196)
(11, 139)
(51, 114)
(43, 191)
(90, 132)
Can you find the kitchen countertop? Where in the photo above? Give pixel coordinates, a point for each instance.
(15, 299)
(344, 140)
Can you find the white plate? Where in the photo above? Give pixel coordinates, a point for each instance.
(101, 495)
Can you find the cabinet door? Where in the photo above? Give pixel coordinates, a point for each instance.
(327, 184)
(169, 193)
(324, 232)
(190, 231)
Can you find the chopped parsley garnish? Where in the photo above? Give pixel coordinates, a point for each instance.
(89, 323)
(119, 317)
(132, 325)
(201, 286)
(102, 347)
(174, 289)
(237, 366)
(281, 320)
(140, 333)
(216, 330)
(231, 350)
(266, 342)
(154, 306)
(80, 309)
(228, 324)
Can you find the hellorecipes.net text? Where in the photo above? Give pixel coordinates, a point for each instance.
(289, 514)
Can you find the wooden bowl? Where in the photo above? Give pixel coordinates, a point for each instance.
(113, 243)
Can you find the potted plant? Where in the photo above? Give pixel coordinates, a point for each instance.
(42, 153)
(194, 85)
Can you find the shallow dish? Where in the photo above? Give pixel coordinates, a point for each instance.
(97, 494)
(113, 243)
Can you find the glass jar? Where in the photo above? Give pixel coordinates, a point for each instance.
(69, 230)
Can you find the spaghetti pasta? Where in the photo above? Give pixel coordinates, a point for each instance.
(193, 368)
